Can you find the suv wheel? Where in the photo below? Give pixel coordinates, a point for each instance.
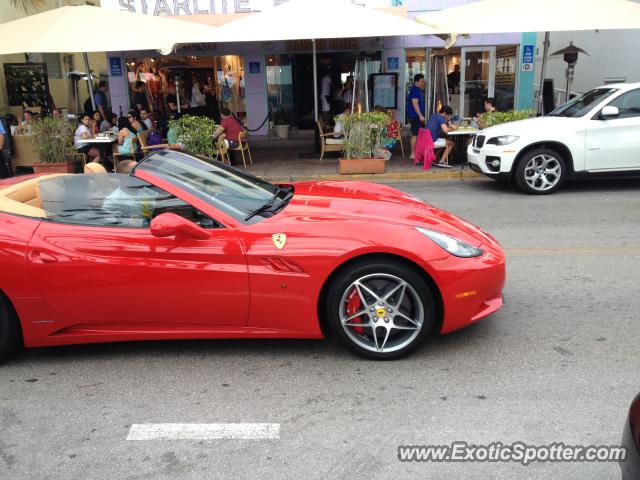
(540, 171)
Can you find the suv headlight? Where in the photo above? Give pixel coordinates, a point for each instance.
(502, 140)
(452, 245)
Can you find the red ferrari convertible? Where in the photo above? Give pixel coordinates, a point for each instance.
(183, 248)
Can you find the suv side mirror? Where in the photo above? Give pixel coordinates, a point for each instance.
(609, 112)
(170, 224)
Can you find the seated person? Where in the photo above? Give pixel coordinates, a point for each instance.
(96, 120)
(231, 128)
(338, 128)
(109, 124)
(83, 132)
(124, 145)
(24, 124)
(439, 124)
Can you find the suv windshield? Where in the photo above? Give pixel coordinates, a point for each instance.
(236, 193)
(583, 104)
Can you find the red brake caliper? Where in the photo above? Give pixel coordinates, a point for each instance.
(354, 304)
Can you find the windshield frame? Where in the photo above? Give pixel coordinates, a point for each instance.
(206, 176)
(583, 111)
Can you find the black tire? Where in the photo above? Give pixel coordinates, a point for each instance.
(378, 272)
(532, 179)
(9, 330)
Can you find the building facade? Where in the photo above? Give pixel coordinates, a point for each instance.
(253, 79)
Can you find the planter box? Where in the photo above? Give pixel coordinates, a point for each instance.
(47, 168)
(351, 166)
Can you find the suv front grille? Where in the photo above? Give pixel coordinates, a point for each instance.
(479, 142)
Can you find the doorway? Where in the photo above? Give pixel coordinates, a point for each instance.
(477, 79)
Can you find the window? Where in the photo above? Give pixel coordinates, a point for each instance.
(628, 104)
(234, 192)
(583, 104)
(117, 200)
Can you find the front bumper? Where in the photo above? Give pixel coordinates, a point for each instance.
(482, 160)
(471, 288)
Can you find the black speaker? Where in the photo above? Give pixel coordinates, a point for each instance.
(548, 98)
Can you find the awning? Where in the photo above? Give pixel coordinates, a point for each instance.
(506, 16)
(304, 20)
(94, 29)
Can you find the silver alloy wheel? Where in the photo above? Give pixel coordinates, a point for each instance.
(390, 315)
(542, 172)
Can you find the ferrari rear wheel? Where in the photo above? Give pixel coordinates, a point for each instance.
(9, 334)
(381, 310)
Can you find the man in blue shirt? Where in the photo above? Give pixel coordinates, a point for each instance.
(438, 125)
(415, 109)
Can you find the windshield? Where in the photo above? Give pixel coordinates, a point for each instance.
(231, 191)
(583, 104)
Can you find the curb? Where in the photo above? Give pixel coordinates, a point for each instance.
(429, 176)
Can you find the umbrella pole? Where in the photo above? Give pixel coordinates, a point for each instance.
(543, 68)
(315, 79)
(89, 80)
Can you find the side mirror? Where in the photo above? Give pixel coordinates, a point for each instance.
(609, 112)
(170, 224)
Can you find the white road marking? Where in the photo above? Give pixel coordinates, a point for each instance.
(204, 431)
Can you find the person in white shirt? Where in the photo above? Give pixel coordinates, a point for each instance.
(83, 132)
(146, 119)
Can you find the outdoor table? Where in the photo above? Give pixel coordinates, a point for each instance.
(101, 142)
(460, 144)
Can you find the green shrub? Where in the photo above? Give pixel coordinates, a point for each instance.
(195, 134)
(52, 139)
(489, 119)
(362, 132)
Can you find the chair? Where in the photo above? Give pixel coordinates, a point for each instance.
(242, 147)
(221, 150)
(144, 146)
(328, 143)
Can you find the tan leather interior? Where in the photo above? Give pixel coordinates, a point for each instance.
(93, 167)
(24, 198)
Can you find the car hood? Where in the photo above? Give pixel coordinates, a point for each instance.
(346, 202)
(529, 126)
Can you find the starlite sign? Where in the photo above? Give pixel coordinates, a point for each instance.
(198, 7)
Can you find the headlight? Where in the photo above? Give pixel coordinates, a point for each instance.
(502, 140)
(455, 247)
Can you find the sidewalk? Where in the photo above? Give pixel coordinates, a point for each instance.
(300, 163)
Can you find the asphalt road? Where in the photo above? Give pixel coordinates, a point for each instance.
(559, 363)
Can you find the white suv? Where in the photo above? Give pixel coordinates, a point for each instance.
(596, 133)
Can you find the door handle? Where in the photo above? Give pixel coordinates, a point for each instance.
(40, 257)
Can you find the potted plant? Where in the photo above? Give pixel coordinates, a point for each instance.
(281, 124)
(52, 140)
(489, 119)
(195, 134)
(362, 136)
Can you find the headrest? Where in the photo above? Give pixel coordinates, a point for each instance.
(94, 167)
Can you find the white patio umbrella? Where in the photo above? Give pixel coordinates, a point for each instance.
(506, 16)
(65, 29)
(313, 20)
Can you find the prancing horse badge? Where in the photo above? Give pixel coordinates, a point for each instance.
(279, 240)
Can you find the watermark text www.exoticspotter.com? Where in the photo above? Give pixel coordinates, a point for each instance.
(518, 452)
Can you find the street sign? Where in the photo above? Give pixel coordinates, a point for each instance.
(528, 56)
(115, 67)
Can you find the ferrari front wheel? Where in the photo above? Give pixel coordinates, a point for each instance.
(381, 310)
(9, 333)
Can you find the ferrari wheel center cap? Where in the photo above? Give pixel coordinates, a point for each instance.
(380, 312)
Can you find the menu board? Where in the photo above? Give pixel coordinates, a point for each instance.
(385, 90)
(27, 85)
